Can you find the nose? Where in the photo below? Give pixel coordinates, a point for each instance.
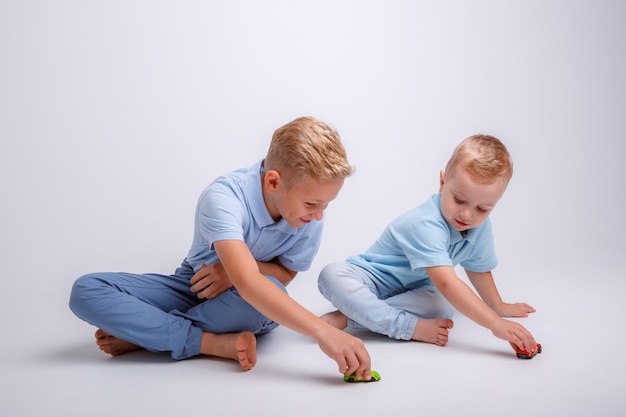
(465, 215)
(318, 214)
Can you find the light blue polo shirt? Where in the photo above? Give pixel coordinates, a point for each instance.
(232, 208)
(422, 238)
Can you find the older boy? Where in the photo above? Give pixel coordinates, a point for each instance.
(254, 229)
(404, 286)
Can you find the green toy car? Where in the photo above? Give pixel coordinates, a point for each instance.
(353, 378)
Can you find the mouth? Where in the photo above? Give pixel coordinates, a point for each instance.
(460, 223)
(305, 221)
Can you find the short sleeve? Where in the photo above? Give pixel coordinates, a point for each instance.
(221, 216)
(425, 244)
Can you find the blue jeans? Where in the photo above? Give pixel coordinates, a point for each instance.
(371, 304)
(159, 312)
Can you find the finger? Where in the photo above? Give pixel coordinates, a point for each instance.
(522, 344)
(205, 288)
(201, 285)
(364, 363)
(208, 292)
(353, 366)
(518, 337)
(342, 365)
(201, 274)
(214, 290)
(363, 372)
(359, 362)
(528, 343)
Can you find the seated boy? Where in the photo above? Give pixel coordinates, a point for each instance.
(405, 286)
(254, 228)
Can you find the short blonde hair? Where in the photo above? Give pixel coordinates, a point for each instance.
(307, 148)
(484, 157)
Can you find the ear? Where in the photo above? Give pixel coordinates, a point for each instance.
(271, 180)
(442, 176)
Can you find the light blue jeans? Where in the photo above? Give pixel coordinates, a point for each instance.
(159, 312)
(371, 304)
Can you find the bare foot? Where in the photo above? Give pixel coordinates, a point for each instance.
(237, 346)
(112, 345)
(336, 319)
(432, 331)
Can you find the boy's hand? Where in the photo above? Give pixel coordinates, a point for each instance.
(210, 281)
(348, 351)
(514, 333)
(515, 310)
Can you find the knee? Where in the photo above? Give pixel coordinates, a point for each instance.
(329, 271)
(80, 293)
(328, 277)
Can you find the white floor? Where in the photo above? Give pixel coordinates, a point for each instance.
(54, 366)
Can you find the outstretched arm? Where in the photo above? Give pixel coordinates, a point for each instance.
(486, 287)
(461, 296)
(346, 350)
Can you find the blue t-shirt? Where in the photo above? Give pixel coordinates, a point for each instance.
(232, 208)
(422, 238)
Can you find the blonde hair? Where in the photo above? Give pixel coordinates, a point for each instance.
(484, 157)
(306, 148)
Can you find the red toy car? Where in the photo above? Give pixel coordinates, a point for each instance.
(524, 354)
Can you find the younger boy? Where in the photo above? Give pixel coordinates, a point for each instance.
(254, 229)
(405, 286)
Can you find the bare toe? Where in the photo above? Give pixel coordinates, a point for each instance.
(112, 345)
(100, 334)
(433, 331)
(240, 347)
(246, 350)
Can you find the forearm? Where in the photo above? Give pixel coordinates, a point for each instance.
(348, 351)
(268, 299)
(246, 275)
(277, 270)
(467, 302)
(486, 288)
(462, 297)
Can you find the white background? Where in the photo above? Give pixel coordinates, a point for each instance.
(115, 115)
